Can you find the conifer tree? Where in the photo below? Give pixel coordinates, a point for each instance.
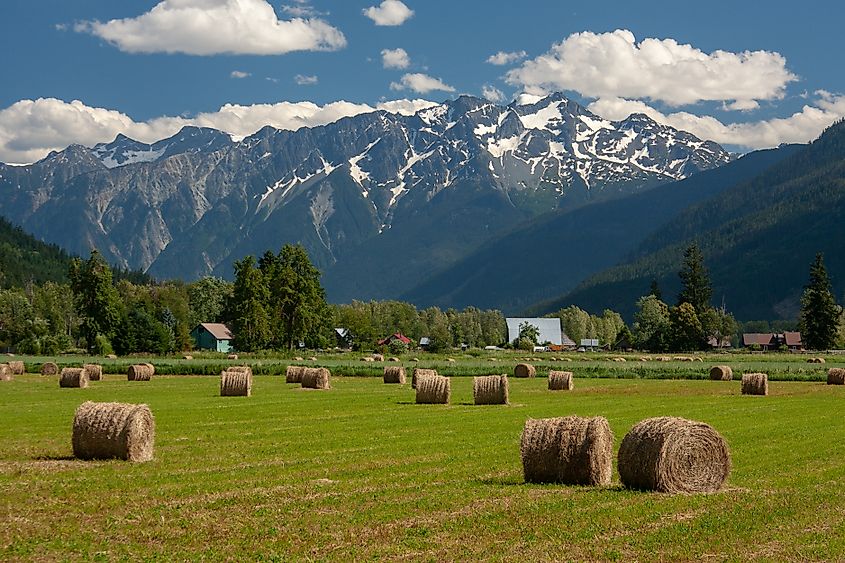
(819, 311)
(695, 283)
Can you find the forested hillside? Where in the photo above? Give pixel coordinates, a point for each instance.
(24, 259)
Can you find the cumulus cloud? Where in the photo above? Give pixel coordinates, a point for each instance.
(389, 12)
(800, 127)
(395, 58)
(30, 129)
(240, 74)
(503, 58)
(420, 83)
(303, 80)
(208, 27)
(602, 65)
(492, 93)
(301, 9)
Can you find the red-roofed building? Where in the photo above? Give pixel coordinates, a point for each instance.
(395, 336)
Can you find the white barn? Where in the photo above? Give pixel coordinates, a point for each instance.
(549, 328)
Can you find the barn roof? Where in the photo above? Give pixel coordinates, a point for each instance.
(549, 328)
(218, 331)
(792, 338)
(761, 338)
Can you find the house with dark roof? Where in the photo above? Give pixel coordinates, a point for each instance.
(773, 340)
(213, 336)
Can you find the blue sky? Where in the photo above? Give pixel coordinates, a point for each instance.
(745, 76)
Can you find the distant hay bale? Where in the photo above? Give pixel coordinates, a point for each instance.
(560, 381)
(235, 382)
(232, 357)
(415, 359)
(17, 367)
(683, 359)
(298, 359)
(49, 368)
(836, 376)
(139, 372)
(316, 378)
(394, 374)
(433, 389)
(674, 455)
(664, 359)
(367, 359)
(111, 356)
(490, 390)
(5, 372)
(73, 377)
(293, 374)
(524, 370)
(113, 430)
(95, 371)
(378, 358)
(393, 359)
(312, 359)
(451, 360)
(187, 357)
(816, 361)
(721, 373)
(418, 372)
(619, 359)
(755, 384)
(571, 450)
(644, 359)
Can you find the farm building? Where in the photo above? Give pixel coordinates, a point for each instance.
(549, 329)
(213, 336)
(773, 340)
(395, 336)
(343, 337)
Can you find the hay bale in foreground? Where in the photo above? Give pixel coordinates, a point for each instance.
(17, 367)
(49, 368)
(721, 373)
(560, 381)
(316, 378)
(490, 390)
(113, 430)
(836, 376)
(674, 455)
(571, 450)
(293, 374)
(420, 372)
(524, 370)
(236, 382)
(755, 384)
(73, 377)
(95, 371)
(240, 369)
(139, 372)
(394, 374)
(5, 372)
(433, 390)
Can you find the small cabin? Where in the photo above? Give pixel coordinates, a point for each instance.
(213, 336)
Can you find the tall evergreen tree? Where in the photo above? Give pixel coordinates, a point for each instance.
(96, 298)
(695, 282)
(250, 320)
(299, 297)
(654, 289)
(819, 311)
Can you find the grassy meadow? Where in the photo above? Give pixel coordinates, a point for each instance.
(361, 472)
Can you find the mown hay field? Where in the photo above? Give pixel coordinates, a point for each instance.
(362, 472)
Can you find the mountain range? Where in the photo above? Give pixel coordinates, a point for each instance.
(383, 202)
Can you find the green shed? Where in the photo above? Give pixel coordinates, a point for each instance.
(213, 336)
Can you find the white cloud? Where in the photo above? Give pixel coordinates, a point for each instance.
(395, 58)
(303, 80)
(800, 127)
(389, 12)
(30, 129)
(503, 58)
(300, 9)
(240, 74)
(420, 83)
(492, 93)
(208, 27)
(614, 65)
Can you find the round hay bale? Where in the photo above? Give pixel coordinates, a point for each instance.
(312, 359)
(378, 358)
(560, 381)
(420, 372)
(755, 384)
(298, 359)
(836, 376)
(187, 357)
(152, 368)
(17, 367)
(240, 369)
(571, 450)
(95, 371)
(674, 455)
(236, 382)
(73, 377)
(415, 359)
(293, 374)
(619, 359)
(139, 372)
(721, 373)
(394, 374)
(433, 389)
(490, 390)
(49, 368)
(367, 359)
(451, 360)
(113, 430)
(111, 356)
(316, 378)
(232, 357)
(524, 370)
(5, 372)
(393, 359)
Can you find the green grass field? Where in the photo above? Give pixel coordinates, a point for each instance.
(361, 472)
